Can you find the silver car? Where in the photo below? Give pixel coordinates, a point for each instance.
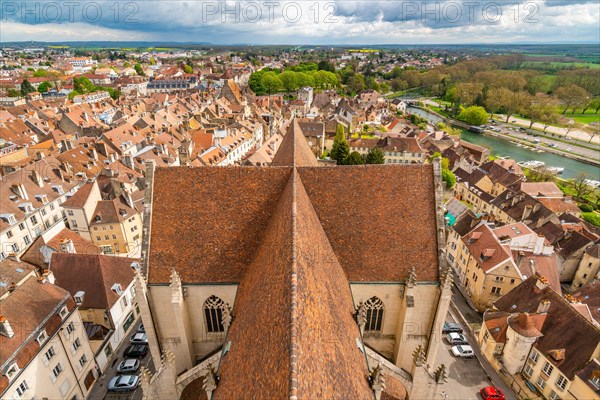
(123, 383)
(128, 365)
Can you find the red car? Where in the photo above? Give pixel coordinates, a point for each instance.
(492, 393)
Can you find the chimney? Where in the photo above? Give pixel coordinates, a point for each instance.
(526, 212)
(37, 178)
(541, 283)
(94, 154)
(536, 207)
(40, 155)
(515, 200)
(49, 276)
(67, 246)
(543, 307)
(19, 190)
(12, 287)
(5, 328)
(128, 198)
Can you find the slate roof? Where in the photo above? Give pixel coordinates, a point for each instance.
(564, 326)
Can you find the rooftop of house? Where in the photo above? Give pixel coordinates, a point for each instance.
(563, 329)
(588, 294)
(100, 274)
(12, 272)
(31, 309)
(486, 247)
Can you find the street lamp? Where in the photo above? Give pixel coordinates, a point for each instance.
(444, 395)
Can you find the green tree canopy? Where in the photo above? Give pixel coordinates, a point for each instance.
(44, 87)
(26, 87)
(340, 149)
(473, 115)
(139, 70)
(354, 158)
(375, 156)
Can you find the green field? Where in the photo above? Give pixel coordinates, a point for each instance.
(556, 65)
(584, 119)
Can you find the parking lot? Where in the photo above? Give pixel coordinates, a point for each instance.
(100, 389)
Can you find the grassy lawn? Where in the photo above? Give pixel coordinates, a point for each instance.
(583, 118)
(363, 136)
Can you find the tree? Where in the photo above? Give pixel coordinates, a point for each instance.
(375, 156)
(467, 93)
(13, 93)
(538, 107)
(571, 124)
(572, 96)
(325, 65)
(271, 83)
(593, 130)
(139, 70)
(44, 87)
(290, 80)
(580, 186)
(448, 177)
(26, 87)
(188, 69)
(354, 158)
(340, 149)
(473, 115)
(357, 83)
(595, 104)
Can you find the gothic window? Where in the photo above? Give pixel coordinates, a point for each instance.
(374, 308)
(213, 314)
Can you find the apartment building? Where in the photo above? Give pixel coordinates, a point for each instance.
(106, 297)
(32, 200)
(44, 351)
(561, 361)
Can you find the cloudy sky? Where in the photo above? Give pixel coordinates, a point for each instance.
(303, 21)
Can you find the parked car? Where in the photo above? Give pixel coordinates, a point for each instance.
(141, 328)
(492, 393)
(451, 327)
(128, 365)
(463, 351)
(123, 383)
(139, 337)
(522, 129)
(552, 145)
(456, 338)
(136, 351)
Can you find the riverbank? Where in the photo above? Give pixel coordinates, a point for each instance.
(513, 139)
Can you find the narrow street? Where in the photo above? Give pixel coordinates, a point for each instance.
(100, 389)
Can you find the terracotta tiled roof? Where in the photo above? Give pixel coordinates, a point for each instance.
(564, 326)
(94, 274)
(294, 149)
(528, 325)
(485, 247)
(31, 308)
(589, 295)
(82, 246)
(311, 349)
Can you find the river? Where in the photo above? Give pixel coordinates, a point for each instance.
(500, 147)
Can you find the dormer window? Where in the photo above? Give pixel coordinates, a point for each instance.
(117, 289)
(26, 207)
(79, 296)
(63, 312)
(9, 218)
(41, 338)
(12, 371)
(98, 218)
(58, 189)
(42, 198)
